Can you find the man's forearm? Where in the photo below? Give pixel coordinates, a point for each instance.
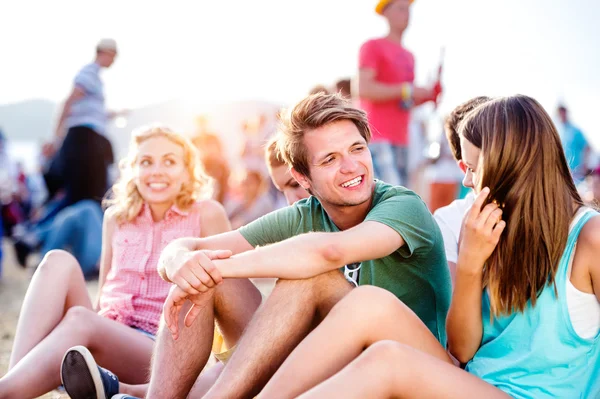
(377, 91)
(303, 256)
(174, 249)
(421, 96)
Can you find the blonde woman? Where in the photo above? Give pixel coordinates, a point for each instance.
(158, 198)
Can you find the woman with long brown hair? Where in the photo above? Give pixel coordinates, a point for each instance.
(525, 312)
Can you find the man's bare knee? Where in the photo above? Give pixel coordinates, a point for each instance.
(235, 303)
(332, 279)
(322, 291)
(236, 292)
(294, 287)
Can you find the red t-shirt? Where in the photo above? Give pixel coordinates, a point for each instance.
(392, 63)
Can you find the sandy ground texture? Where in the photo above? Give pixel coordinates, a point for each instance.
(13, 285)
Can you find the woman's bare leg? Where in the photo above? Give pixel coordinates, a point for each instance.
(366, 315)
(389, 369)
(115, 346)
(57, 285)
(138, 391)
(206, 380)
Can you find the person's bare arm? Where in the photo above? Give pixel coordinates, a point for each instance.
(112, 114)
(479, 236)
(588, 252)
(75, 95)
(421, 95)
(371, 89)
(180, 259)
(213, 219)
(452, 269)
(297, 257)
(311, 254)
(108, 227)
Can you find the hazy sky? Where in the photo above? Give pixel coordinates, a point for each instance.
(214, 51)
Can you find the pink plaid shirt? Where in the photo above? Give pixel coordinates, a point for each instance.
(134, 293)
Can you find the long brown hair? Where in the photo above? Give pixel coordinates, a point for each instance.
(524, 165)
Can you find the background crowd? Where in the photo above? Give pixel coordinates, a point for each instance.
(38, 215)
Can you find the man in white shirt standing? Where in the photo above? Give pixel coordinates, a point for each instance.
(86, 152)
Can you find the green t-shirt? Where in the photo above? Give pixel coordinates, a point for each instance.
(417, 273)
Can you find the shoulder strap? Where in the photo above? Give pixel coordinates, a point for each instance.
(580, 220)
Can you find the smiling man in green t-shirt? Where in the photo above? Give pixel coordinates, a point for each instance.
(352, 231)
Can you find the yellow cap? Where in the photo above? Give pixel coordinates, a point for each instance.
(381, 4)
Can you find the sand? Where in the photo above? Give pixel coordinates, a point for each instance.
(12, 291)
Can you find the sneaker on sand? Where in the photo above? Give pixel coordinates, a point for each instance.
(84, 379)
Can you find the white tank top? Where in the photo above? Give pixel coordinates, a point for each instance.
(584, 308)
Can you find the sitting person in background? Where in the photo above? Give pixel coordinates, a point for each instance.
(592, 195)
(214, 162)
(76, 229)
(256, 131)
(254, 201)
(54, 224)
(575, 144)
(11, 211)
(157, 199)
(450, 217)
(280, 175)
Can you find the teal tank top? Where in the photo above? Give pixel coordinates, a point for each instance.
(537, 354)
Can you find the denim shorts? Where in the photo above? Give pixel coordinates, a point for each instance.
(146, 333)
(390, 163)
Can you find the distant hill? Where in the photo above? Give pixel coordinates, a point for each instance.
(31, 120)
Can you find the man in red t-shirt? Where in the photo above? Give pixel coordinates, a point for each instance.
(386, 92)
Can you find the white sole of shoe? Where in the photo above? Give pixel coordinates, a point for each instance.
(92, 372)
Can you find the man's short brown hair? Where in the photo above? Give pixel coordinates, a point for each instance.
(343, 86)
(318, 89)
(454, 119)
(272, 155)
(313, 112)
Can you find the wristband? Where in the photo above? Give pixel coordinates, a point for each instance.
(406, 96)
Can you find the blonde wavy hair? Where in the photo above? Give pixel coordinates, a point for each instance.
(126, 200)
